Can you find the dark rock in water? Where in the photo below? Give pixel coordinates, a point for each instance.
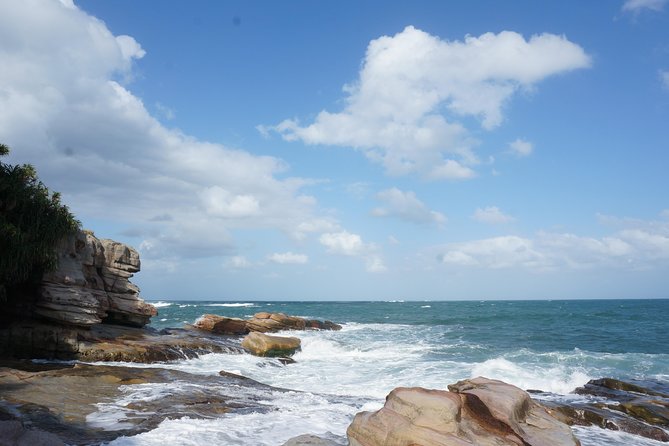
(639, 408)
(310, 440)
(13, 433)
(52, 399)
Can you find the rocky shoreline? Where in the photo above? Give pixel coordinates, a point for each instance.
(89, 311)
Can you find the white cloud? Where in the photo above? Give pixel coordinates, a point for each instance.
(635, 6)
(405, 108)
(344, 243)
(491, 215)
(406, 206)
(65, 107)
(349, 244)
(521, 148)
(237, 262)
(664, 78)
(640, 244)
(288, 258)
(497, 252)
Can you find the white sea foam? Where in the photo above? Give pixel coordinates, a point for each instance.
(161, 304)
(594, 436)
(555, 379)
(294, 413)
(426, 306)
(245, 304)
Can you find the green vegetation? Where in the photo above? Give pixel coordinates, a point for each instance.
(32, 222)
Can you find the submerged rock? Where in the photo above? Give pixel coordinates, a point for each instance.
(309, 440)
(478, 411)
(261, 344)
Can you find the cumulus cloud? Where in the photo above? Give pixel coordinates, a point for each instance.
(491, 215)
(285, 258)
(639, 244)
(635, 6)
(66, 107)
(521, 148)
(405, 110)
(349, 244)
(405, 206)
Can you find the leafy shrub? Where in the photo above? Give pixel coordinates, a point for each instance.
(32, 222)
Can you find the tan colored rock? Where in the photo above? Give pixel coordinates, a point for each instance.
(92, 285)
(261, 344)
(479, 412)
(221, 325)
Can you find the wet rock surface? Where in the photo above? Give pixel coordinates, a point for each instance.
(639, 408)
(49, 398)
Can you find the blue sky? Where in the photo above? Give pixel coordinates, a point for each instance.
(354, 150)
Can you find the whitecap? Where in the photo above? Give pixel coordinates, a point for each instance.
(245, 304)
(161, 304)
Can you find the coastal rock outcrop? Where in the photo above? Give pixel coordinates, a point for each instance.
(640, 408)
(261, 344)
(261, 322)
(91, 285)
(478, 411)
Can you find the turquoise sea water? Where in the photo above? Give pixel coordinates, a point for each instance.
(554, 346)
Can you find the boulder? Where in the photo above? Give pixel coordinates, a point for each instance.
(221, 325)
(261, 344)
(478, 411)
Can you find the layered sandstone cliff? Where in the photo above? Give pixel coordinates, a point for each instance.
(92, 286)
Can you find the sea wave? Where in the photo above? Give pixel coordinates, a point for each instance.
(161, 304)
(245, 304)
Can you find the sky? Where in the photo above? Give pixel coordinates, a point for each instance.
(347, 150)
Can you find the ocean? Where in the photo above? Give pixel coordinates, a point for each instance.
(552, 346)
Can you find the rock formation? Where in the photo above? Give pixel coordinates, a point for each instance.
(91, 285)
(261, 344)
(479, 411)
(636, 408)
(261, 322)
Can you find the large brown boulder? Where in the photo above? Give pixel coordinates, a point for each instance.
(479, 411)
(261, 322)
(261, 344)
(221, 325)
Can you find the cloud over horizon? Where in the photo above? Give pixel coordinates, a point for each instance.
(406, 111)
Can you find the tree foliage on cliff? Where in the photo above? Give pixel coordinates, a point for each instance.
(32, 222)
